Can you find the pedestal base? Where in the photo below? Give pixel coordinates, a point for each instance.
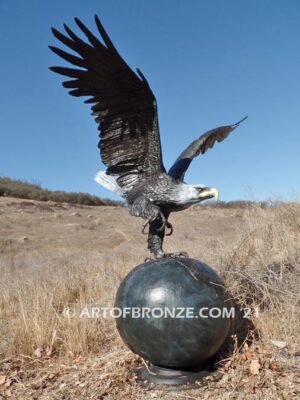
(170, 376)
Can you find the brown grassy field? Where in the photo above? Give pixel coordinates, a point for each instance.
(56, 255)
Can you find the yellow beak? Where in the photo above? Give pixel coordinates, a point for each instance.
(209, 193)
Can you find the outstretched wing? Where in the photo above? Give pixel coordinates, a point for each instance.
(124, 105)
(200, 146)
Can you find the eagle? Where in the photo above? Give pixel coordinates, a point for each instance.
(125, 110)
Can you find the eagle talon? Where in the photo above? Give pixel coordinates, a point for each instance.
(160, 255)
(145, 225)
(169, 226)
(151, 219)
(183, 254)
(179, 254)
(166, 224)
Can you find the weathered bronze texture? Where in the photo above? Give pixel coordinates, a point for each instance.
(168, 284)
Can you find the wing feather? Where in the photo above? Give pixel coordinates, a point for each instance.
(68, 57)
(123, 104)
(200, 146)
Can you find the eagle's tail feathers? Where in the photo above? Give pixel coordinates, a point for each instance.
(109, 182)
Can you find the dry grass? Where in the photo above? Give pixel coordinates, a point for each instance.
(35, 293)
(263, 271)
(49, 263)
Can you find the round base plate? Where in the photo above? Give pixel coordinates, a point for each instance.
(170, 376)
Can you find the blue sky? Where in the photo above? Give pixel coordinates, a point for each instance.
(209, 63)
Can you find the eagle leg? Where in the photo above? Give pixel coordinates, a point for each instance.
(166, 224)
(157, 221)
(156, 238)
(144, 208)
(156, 235)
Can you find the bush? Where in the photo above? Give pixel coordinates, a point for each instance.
(32, 191)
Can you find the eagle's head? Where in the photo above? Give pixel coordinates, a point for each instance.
(193, 194)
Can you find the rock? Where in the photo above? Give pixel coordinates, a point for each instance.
(23, 239)
(279, 343)
(254, 367)
(58, 216)
(72, 224)
(75, 214)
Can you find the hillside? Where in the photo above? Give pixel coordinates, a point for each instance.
(57, 256)
(32, 191)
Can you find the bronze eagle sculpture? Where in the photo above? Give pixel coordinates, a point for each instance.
(126, 112)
